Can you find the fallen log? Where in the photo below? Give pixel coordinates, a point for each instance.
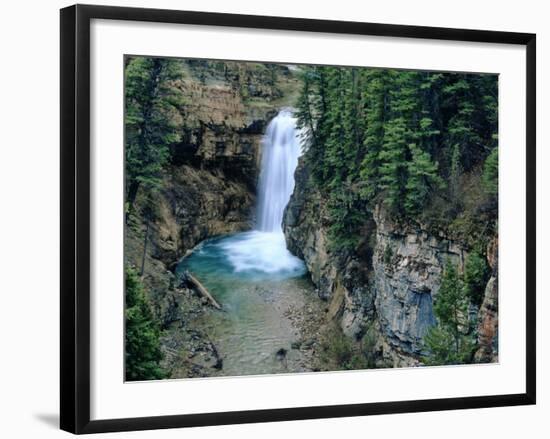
(201, 289)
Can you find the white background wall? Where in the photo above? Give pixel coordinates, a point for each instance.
(29, 249)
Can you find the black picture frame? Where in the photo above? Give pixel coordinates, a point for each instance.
(75, 217)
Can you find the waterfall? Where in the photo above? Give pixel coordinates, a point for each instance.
(263, 250)
(280, 151)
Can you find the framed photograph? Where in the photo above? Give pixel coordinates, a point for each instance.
(268, 218)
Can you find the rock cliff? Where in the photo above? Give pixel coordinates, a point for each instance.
(341, 278)
(408, 264)
(389, 283)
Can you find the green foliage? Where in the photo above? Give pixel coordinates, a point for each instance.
(375, 96)
(454, 174)
(345, 209)
(152, 110)
(142, 334)
(442, 346)
(423, 178)
(393, 167)
(472, 103)
(451, 303)
(342, 350)
(450, 341)
(343, 353)
(490, 173)
(476, 275)
(403, 138)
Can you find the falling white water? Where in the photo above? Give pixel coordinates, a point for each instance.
(280, 151)
(263, 250)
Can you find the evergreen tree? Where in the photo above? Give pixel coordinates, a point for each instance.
(312, 115)
(461, 134)
(454, 174)
(470, 104)
(353, 123)
(377, 83)
(306, 105)
(422, 179)
(346, 217)
(142, 334)
(476, 275)
(393, 164)
(403, 138)
(335, 145)
(490, 173)
(400, 131)
(450, 341)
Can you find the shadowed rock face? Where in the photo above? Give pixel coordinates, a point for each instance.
(408, 264)
(392, 285)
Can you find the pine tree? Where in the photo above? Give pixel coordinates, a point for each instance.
(393, 164)
(490, 173)
(346, 217)
(476, 274)
(454, 174)
(142, 334)
(306, 107)
(423, 178)
(313, 116)
(450, 341)
(377, 83)
(353, 123)
(460, 129)
(398, 137)
(335, 140)
(399, 132)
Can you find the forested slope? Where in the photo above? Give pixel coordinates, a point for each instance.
(395, 208)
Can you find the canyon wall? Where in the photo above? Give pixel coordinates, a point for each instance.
(390, 282)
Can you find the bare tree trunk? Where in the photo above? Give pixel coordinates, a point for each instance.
(202, 290)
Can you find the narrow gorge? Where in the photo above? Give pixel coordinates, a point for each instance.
(258, 281)
(273, 198)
